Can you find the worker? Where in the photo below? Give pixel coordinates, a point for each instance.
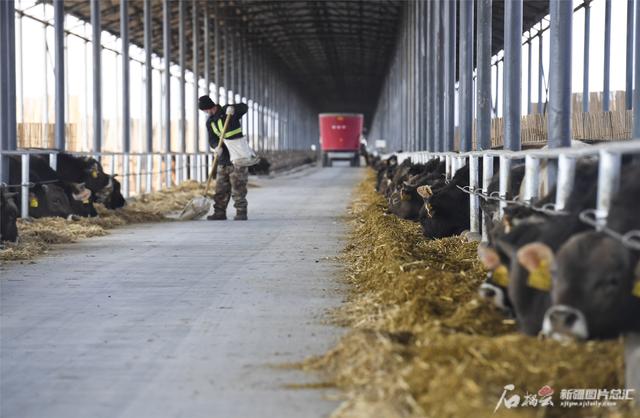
(231, 180)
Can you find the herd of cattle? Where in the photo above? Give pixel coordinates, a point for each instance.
(69, 190)
(553, 273)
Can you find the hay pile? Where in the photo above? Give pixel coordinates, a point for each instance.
(423, 345)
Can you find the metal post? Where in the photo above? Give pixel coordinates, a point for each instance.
(559, 130)
(505, 178)
(585, 60)
(466, 73)
(58, 13)
(512, 73)
(629, 61)
(429, 82)
(149, 173)
(607, 55)
(166, 42)
(196, 80)
(529, 104)
(450, 75)
(531, 178)
(540, 73)
(205, 40)
(566, 176)
(24, 201)
(96, 29)
(439, 77)
(8, 139)
(182, 51)
(474, 202)
(487, 174)
(636, 92)
(126, 114)
(608, 183)
(148, 79)
(217, 53)
(483, 56)
(227, 66)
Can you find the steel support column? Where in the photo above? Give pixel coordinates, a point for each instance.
(585, 59)
(483, 58)
(465, 70)
(439, 75)
(450, 75)
(512, 73)
(182, 16)
(629, 61)
(58, 17)
(126, 113)
(607, 55)
(636, 92)
(216, 52)
(196, 78)
(529, 75)
(166, 42)
(207, 53)
(148, 78)
(7, 84)
(540, 74)
(96, 47)
(559, 130)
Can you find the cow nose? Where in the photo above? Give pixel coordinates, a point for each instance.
(487, 292)
(562, 322)
(563, 319)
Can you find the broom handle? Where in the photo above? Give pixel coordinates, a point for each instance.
(217, 156)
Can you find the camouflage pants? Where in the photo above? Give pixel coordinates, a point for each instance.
(231, 182)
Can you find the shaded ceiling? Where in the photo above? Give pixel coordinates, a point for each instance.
(335, 52)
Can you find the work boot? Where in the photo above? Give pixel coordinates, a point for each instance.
(240, 216)
(217, 216)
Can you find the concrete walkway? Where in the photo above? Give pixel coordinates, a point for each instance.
(180, 319)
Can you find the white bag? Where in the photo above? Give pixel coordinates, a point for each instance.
(241, 153)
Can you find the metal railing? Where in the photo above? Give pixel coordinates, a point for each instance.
(609, 157)
(166, 167)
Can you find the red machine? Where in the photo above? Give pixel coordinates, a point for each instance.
(340, 137)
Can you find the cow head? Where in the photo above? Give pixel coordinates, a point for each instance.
(49, 200)
(595, 293)
(94, 177)
(8, 216)
(110, 196)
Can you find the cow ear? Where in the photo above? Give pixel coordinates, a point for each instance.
(533, 255)
(488, 256)
(424, 191)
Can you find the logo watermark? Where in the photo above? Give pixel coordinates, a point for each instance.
(568, 398)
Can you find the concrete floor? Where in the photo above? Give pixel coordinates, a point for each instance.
(181, 319)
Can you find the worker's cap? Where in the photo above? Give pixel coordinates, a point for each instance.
(205, 103)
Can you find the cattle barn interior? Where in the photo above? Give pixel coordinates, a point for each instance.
(495, 219)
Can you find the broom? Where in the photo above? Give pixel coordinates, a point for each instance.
(199, 206)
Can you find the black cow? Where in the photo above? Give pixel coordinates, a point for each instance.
(596, 291)
(88, 171)
(407, 198)
(8, 215)
(525, 247)
(47, 196)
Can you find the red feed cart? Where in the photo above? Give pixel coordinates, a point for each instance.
(340, 137)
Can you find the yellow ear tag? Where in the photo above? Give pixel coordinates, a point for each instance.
(540, 278)
(501, 276)
(636, 289)
(85, 202)
(94, 173)
(33, 202)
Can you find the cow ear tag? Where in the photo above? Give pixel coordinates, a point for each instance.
(540, 277)
(635, 291)
(94, 173)
(33, 202)
(501, 275)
